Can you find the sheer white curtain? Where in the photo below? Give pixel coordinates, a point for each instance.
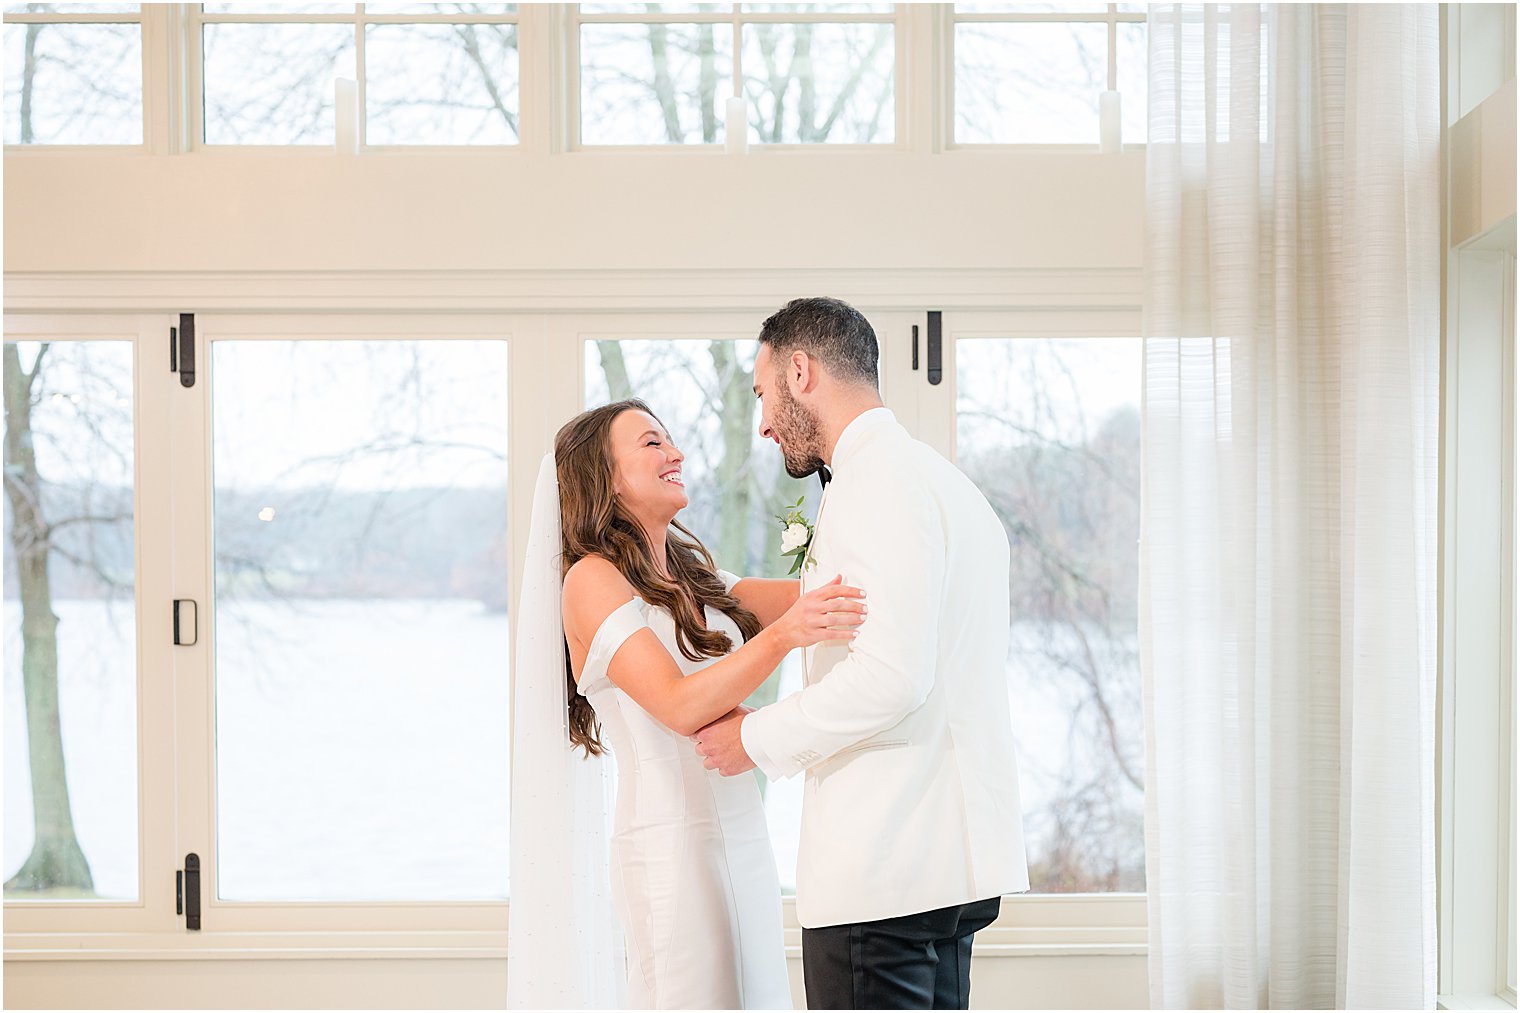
(1289, 506)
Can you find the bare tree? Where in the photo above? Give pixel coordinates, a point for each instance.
(56, 861)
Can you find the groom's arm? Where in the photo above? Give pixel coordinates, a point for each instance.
(890, 544)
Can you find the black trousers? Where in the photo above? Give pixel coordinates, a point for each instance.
(918, 961)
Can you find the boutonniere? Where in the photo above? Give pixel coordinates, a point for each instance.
(796, 537)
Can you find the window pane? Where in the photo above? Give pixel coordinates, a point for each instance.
(806, 8)
(441, 84)
(812, 83)
(1050, 432)
(73, 84)
(655, 84)
(701, 391)
(1134, 87)
(273, 83)
(1029, 83)
(70, 623)
(677, 8)
(971, 10)
(71, 8)
(240, 8)
(360, 619)
(440, 8)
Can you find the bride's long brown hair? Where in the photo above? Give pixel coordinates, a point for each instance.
(593, 522)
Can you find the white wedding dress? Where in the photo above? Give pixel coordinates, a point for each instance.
(693, 876)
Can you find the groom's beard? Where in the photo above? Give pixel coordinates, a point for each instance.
(800, 435)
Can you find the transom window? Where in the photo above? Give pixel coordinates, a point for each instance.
(1032, 73)
(426, 74)
(661, 74)
(73, 74)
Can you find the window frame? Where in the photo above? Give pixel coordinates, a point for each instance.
(150, 46)
(152, 541)
(1028, 924)
(1112, 19)
(737, 18)
(195, 20)
(176, 756)
(545, 370)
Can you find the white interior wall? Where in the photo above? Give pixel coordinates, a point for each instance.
(211, 211)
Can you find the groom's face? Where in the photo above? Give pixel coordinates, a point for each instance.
(786, 420)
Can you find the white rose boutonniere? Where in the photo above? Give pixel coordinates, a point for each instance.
(796, 537)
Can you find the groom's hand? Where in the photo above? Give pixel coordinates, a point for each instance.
(720, 745)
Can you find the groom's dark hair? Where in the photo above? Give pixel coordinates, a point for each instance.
(831, 331)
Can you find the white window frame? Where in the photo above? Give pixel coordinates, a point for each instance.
(737, 18)
(177, 754)
(1112, 18)
(1475, 812)
(195, 19)
(537, 316)
(548, 81)
(152, 543)
(1475, 745)
(154, 101)
(1047, 924)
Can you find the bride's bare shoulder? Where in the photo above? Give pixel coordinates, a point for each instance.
(594, 587)
(591, 572)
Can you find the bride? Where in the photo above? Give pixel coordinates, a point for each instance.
(659, 643)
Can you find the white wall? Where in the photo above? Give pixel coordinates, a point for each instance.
(678, 209)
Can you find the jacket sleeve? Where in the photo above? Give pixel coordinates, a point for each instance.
(888, 541)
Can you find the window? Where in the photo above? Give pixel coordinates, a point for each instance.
(809, 73)
(1032, 73)
(1049, 429)
(360, 612)
(428, 74)
(73, 74)
(71, 815)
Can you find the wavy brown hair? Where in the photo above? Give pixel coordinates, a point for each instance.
(593, 522)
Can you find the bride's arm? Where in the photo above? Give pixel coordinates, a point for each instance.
(644, 669)
(768, 598)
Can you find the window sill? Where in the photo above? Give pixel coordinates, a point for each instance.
(181, 945)
(1472, 1001)
(1029, 926)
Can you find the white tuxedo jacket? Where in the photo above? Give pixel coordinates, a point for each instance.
(911, 800)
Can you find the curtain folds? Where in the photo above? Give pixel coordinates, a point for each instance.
(1289, 508)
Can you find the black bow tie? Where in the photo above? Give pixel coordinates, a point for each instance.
(824, 475)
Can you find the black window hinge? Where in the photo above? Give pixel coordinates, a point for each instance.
(935, 349)
(182, 349)
(187, 892)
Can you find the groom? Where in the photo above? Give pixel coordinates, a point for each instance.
(911, 829)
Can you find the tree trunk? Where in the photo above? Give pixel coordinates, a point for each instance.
(664, 88)
(56, 860)
(732, 475)
(807, 89)
(707, 85)
(615, 370)
(28, 79)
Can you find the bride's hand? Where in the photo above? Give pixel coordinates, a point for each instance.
(831, 612)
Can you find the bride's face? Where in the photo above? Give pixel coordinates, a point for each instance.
(646, 466)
